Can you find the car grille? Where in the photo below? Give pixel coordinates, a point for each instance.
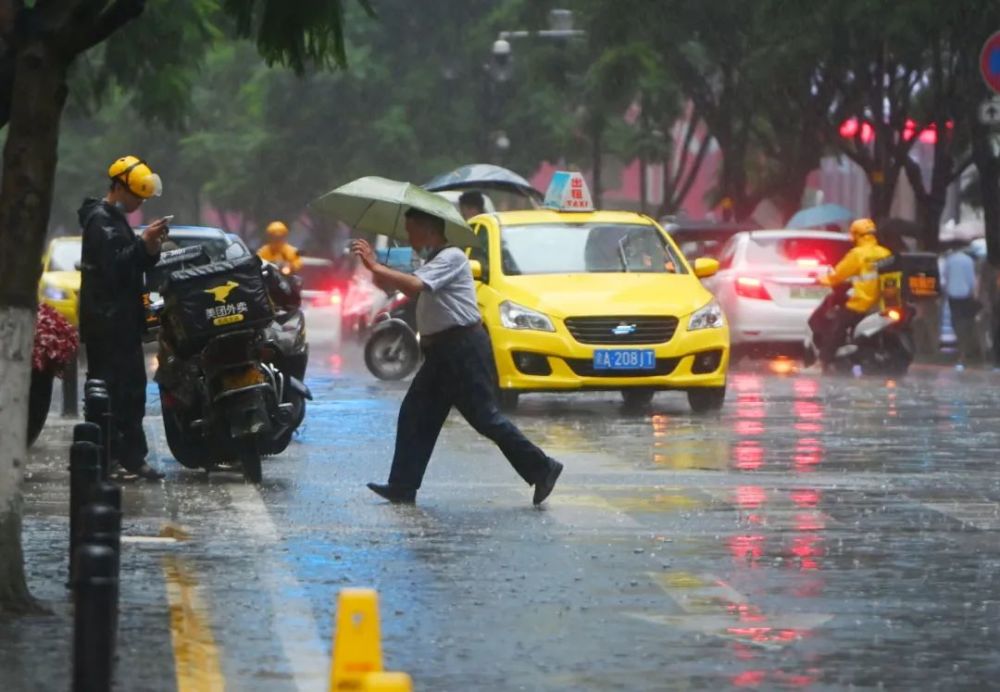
(584, 367)
(601, 330)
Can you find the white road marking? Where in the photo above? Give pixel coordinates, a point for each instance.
(307, 655)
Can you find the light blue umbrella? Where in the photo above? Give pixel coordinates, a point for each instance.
(816, 217)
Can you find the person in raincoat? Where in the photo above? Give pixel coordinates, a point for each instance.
(859, 267)
(278, 250)
(112, 315)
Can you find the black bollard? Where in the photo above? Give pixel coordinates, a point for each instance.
(84, 473)
(71, 389)
(95, 618)
(101, 524)
(106, 493)
(97, 410)
(87, 432)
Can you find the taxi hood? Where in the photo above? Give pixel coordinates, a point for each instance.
(632, 293)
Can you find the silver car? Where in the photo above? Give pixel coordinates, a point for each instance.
(767, 286)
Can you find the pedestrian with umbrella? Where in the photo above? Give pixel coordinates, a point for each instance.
(458, 369)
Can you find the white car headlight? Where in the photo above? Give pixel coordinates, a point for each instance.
(54, 293)
(708, 317)
(514, 316)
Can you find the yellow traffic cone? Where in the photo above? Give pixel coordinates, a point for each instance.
(357, 641)
(357, 647)
(387, 682)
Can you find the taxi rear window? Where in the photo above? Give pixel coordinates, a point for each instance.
(586, 248)
(823, 251)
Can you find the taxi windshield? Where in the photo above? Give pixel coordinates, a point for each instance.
(586, 248)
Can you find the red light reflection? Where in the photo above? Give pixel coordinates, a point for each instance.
(746, 548)
(750, 496)
(749, 455)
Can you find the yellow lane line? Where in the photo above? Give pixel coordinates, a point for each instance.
(196, 657)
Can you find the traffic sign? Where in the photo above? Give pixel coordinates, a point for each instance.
(989, 111)
(989, 62)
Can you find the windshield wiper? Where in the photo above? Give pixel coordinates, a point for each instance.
(621, 251)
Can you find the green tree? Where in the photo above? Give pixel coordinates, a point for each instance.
(41, 42)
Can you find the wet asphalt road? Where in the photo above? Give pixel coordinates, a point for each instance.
(818, 533)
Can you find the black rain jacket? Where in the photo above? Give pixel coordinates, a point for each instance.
(112, 281)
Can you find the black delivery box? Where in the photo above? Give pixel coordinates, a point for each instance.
(203, 302)
(908, 277)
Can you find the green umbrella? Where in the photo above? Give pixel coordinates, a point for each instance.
(378, 205)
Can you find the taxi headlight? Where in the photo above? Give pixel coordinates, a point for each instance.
(708, 317)
(54, 292)
(514, 316)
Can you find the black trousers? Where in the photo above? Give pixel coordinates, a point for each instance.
(458, 371)
(963, 321)
(122, 365)
(830, 323)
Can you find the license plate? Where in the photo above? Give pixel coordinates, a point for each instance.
(239, 380)
(807, 292)
(624, 359)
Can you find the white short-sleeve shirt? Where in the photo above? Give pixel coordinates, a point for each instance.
(449, 295)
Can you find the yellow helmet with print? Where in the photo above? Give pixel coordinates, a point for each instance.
(137, 176)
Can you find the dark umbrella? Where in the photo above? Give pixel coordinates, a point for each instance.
(483, 176)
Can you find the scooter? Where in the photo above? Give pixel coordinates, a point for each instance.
(881, 343)
(392, 350)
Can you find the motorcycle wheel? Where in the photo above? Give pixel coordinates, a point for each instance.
(281, 443)
(390, 355)
(188, 452)
(249, 456)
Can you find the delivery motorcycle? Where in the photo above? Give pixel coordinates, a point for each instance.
(881, 343)
(232, 358)
(392, 350)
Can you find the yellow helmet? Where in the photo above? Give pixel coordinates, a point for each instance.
(862, 227)
(276, 229)
(136, 175)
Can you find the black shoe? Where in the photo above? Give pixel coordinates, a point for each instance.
(142, 470)
(544, 487)
(395, 494)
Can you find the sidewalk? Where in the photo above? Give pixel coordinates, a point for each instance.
(36, 652)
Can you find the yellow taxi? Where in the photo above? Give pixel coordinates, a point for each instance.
(60, 282)
(578, 299)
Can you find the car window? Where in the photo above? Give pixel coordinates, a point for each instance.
(316, 277)
(586, 248)
(216, 248)
(235, 251)
(481, 252)
(819, 251)
(65, 256)
(727, 254)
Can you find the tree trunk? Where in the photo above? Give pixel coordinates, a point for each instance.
(988, 166)
(929, 211)
(29, 163)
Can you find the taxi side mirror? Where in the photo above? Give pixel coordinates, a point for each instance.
(477, 269)
(705, 267)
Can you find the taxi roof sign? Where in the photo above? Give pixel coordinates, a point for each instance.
(568, 191)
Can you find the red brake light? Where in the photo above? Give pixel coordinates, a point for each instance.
(894, 315)
(335, 298)
(749, 287)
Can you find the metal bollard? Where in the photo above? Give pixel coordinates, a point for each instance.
(71, 388)
(95, 618)
(84, 473)
(87, 432)
(101, 524)
(97, 410)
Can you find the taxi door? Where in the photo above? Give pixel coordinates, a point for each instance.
(487, 296)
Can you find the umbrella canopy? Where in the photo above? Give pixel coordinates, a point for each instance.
(378, 205)
(483, 176)
(821, 215)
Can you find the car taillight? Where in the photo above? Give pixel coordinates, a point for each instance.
(749, 287)
(335, 298)
(894, 315)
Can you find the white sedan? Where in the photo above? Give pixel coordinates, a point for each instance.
(767, 286)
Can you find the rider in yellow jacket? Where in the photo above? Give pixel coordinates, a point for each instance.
(859, 267)
(278, 251)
